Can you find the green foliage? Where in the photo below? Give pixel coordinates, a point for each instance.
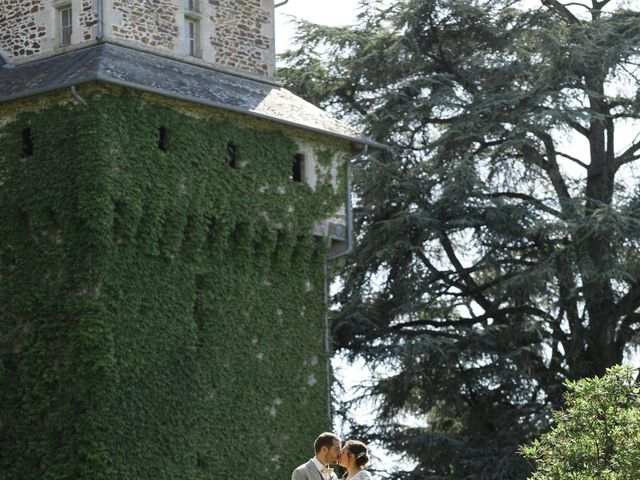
(160, 312)
(499, 248)
(596, 435)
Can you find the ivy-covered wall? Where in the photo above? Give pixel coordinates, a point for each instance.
(160, 311)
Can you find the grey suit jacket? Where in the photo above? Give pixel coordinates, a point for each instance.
(307, 471)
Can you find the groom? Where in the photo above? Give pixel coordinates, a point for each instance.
(327, 447)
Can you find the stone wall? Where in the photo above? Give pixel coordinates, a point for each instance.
(20, 31)
(150, 22)
(88, 19)
(241, 35)
(234, 34)
(28, 27)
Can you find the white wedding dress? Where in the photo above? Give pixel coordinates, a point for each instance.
(361, 475)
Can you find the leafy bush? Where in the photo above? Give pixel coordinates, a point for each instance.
(597, 435)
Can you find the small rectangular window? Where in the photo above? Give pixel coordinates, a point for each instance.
(191, 37)
(65, 15)
(297, 167)
(27, 142)
(232, 155)
(162, 139)
(192, 5)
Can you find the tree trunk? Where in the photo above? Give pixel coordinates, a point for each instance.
(596, 248)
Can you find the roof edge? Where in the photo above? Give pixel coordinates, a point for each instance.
(95, 56)
(360, 140)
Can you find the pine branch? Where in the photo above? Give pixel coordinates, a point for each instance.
(627, 156)
(579, 128)
(626, 115)
(549, 165)
(462, 272)
(439, 274)
(568, 299)
(432, 333)
(576, 4)
(629, 303)
(600, 5)
(529, 199)
(471, 321)
(566, 118)
(626, 331)
(573, 159)
(563, 11)
(462, 322)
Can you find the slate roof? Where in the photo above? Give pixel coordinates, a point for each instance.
(116, 64)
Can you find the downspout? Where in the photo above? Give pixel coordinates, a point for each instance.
(100, 20)
(332, 256)
(349, 209)
(77, 96)
(5, 62)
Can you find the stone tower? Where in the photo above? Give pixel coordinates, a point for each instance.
(167, 212)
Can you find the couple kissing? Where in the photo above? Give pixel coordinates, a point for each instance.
(353, 456)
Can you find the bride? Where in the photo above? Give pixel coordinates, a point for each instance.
(354, 457)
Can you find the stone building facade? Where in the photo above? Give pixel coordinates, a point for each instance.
(237, 35)
(23, 28)
(168, 216)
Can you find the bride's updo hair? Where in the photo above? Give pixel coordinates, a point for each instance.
(358, 449)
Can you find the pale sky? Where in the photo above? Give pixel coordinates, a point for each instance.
(326, 12)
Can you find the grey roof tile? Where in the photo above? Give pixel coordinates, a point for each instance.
(170, 77)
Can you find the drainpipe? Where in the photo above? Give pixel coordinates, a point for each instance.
(349, 209)
(332, 256)
(5, 62)
(77, 96)
(100, 20)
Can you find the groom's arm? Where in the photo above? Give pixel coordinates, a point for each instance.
(298, 475)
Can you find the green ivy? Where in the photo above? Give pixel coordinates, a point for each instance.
(160, 312)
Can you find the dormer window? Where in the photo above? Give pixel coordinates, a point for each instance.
(192, 5)
(192, 16)
(65, 25)
(192, 33)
